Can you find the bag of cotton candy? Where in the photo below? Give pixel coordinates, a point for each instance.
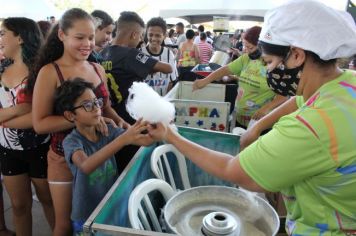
(144, 102)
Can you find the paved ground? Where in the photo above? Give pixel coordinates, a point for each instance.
(40, 226)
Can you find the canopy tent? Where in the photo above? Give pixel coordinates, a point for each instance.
(199, 11)
(33, 9)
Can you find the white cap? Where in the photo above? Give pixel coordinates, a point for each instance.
(312, 26)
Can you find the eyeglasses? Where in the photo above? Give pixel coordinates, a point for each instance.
(89, 105)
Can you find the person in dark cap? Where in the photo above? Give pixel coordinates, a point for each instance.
(255, 99)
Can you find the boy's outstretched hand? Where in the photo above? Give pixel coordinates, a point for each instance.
(136, 134)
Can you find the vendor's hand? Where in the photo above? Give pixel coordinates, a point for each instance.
(249, 137)
(158, 131)
(260, 113)
(198, 84)
(135, 133)
(102, 127)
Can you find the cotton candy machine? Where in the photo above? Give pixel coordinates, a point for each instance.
(220, 210)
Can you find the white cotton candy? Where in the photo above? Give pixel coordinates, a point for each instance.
(144, 102)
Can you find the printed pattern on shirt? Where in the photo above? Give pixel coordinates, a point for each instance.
(17, 139)
(160, 81)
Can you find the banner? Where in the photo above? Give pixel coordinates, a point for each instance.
(221, 24)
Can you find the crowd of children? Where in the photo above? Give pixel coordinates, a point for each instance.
(61, 133)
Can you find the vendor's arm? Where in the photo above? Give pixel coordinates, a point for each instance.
(270, 106)
(219, 164)
(216, 75)
(233, 68)
(287, 155)
(267, 122)
(281, 158)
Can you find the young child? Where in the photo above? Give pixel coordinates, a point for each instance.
(156, 33)
(88, 153)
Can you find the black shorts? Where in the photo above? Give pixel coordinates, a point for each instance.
(17, 162)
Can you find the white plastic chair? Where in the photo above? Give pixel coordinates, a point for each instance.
(137, 216)
(160, 164)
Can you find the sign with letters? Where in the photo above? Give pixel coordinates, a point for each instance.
(202, 114)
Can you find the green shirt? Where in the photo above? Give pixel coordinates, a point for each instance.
(253, 91)
(310, 157)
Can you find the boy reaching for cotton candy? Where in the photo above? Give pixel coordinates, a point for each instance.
(143, 102)
(88, 153)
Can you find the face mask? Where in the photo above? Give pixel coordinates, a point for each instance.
(255, 55)
(284, 81)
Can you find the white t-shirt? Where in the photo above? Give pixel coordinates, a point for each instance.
(160, 81)
(168, 41)
(181, 38)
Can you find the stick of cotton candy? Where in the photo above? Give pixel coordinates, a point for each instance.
(144, 102)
